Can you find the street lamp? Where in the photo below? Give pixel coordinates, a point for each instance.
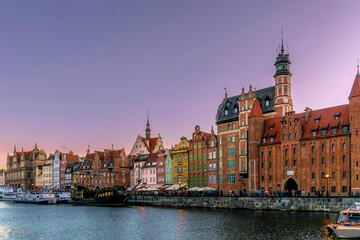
(327, 184)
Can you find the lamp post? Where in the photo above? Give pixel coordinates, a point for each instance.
(327, 184)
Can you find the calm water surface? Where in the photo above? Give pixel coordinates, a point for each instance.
(21, 221)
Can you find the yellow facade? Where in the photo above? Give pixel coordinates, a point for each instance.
(180, 162)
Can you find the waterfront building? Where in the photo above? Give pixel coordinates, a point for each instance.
(21, 167)
(69, 173)
(67, 158)
(168, 168)
(160, 162)
(147, 144)
(264, 144)
(148, 171)
(2, 177)
(104, 169)
(137, 162)
(56, 169)
(180, 163)
(212, 161)
(198, 150)
(47, 170)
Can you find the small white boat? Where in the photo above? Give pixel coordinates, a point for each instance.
(64, 197)
(35, 198)
(348, 223)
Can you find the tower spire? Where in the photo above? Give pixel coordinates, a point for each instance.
(225, 93)
(358, 67)
(282, 41)
(148, 131)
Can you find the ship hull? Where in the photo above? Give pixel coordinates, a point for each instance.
(104, 197)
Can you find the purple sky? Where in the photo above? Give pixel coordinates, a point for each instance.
(85, 72)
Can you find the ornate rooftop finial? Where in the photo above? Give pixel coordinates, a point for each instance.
(14, 148)
(225, 93)
(282, 41)
(358, 68)
(35, 145)
(212, 129)
(250, 87)
(88, 150)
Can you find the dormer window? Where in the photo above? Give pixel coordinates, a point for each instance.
(228, 104)
(317, 120)
(267, 102)
(345, 129)
(323, 132)
(263, 140)
(337, 116)
(235, 110)
(313, 133)
(226, 112)
(271, 139)
(334, 131)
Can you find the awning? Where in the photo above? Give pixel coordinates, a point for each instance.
(175, 187)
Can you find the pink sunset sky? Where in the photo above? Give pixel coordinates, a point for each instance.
(84, 73)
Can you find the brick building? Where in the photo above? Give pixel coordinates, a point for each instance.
(264, 144)
(212, 161)
(198, 152)
(104, 169)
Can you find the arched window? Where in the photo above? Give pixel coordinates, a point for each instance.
(294, 150)
(270, 153)
(333, 147)
(344, 146)
(323, 148)
(313, 149)
(226, 112)
(286, 152)
(284, 136)
(262, 154)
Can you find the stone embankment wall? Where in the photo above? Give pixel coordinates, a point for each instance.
(323, 204)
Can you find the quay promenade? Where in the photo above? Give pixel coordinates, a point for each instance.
(318, 204)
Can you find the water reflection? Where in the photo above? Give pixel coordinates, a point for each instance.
(74, 222)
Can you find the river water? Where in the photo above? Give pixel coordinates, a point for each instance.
(21, 221)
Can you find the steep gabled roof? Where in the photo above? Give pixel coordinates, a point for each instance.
(256, 110)
(355, 90)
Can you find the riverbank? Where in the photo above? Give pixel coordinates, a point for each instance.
(310, 204)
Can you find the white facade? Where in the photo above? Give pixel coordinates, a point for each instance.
(139, 147)
(56, 169)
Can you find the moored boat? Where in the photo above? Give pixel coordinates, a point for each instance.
(347, 225)
(35, 198)
(64, 197)
(114, 196)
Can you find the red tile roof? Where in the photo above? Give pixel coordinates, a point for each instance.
(326, 118)
(70, 158)
(327, 121)
(152, 143)
(355, 90)
(256, 110)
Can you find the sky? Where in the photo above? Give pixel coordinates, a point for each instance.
(79, 73)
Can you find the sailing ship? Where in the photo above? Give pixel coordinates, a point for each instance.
(112, 196)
